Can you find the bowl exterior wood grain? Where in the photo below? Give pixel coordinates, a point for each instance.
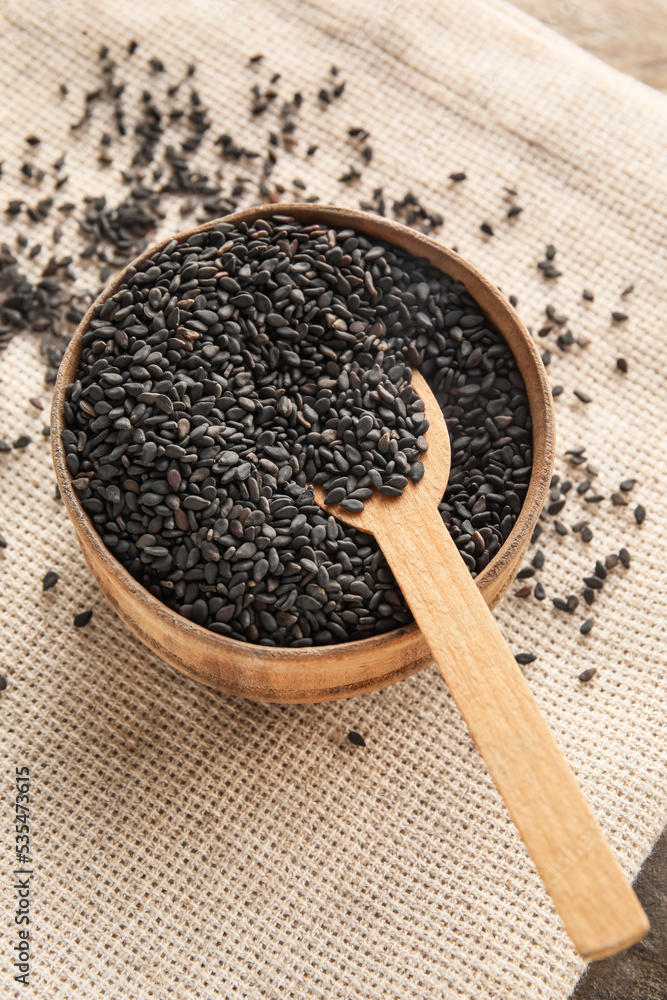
(318, 673)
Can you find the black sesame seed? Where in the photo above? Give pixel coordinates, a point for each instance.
(50, 580)
(622, 364)
(539, 592)
(586, 626)
(523, 659)
(417, 472)
(3, 682)
(628, 484)
(23, 441)
(589, 595)
(600, 570)
(487, 228)
(82, 619)
(624, 556)
(583, 396)
(587, 534)
(335, 496)
(559, 318)
(588, 674)
(355, 506)
(640, 514)
(458, 176)
(619, 317)
(356, 738)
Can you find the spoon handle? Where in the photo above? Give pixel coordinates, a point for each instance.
(594, 899)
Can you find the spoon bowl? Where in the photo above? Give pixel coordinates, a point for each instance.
(426, 494)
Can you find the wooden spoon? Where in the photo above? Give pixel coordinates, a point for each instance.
(595, 901)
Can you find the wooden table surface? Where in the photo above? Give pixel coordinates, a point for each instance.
(630, 35)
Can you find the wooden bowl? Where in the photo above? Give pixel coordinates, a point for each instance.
(318, 673)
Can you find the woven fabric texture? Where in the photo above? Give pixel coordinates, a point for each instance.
(191, 845)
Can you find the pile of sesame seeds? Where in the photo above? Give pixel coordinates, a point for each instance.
(230, 371)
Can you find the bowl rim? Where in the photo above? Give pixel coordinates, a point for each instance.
(393, 233)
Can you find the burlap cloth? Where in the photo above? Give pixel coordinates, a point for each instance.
(188, 844)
